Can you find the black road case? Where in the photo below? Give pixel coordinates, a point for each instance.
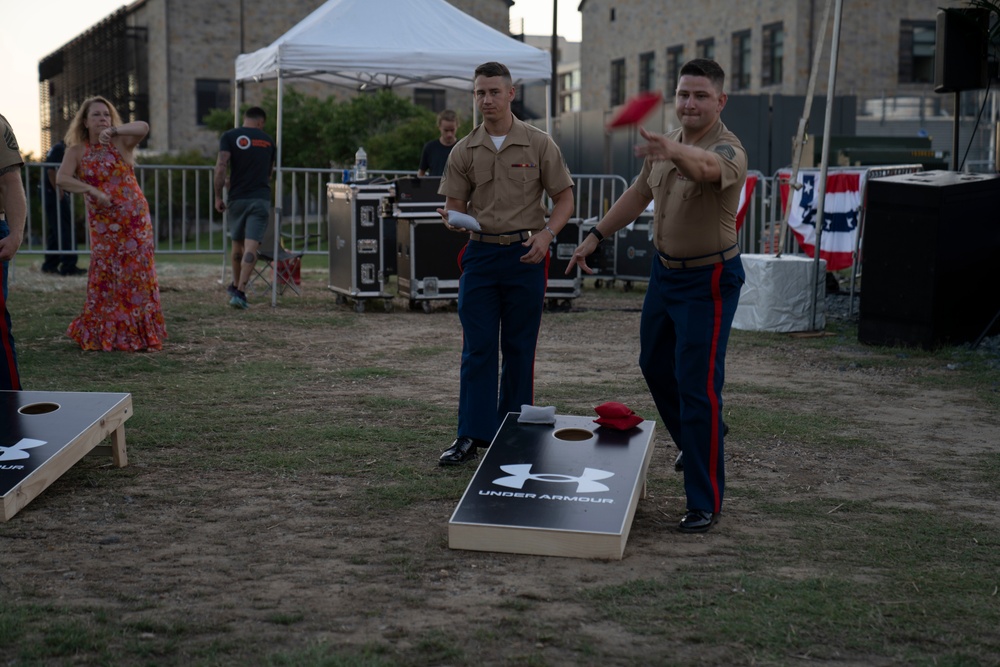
(634, 251)
(931, 240)
(602, 261)
(561, 289)
(426, 250)
(427, 260)
(357, 268)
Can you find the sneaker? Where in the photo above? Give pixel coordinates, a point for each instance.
(239, 300)
(231, 290)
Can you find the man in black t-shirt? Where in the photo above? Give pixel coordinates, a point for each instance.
(435, 154)
(250, 154)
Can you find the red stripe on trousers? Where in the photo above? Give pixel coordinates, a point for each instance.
(8, 351)
(713, 397)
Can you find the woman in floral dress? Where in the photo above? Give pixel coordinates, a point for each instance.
(122, 311)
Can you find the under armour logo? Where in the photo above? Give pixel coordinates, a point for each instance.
(585, 483)
(17, 452)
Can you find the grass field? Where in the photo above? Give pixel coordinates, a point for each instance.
(283, 505)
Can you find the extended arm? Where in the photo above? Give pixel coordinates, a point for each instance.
(694, 163)
(625, 210)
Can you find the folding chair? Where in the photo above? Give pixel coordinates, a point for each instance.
(284, 265)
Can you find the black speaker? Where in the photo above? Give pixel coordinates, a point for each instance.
(960, 61)
(931, 242)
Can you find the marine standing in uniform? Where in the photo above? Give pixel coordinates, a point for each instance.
(497, 174)
(694, 176)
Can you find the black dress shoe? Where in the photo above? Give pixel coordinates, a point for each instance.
(462, 450)
(697, 521)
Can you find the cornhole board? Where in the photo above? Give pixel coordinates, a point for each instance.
(568, 489)
(44, 433)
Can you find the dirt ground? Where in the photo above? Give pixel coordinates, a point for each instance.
(186, 558)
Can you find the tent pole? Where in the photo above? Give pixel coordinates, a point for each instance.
(825, 159)
(277, 197)
(548, 109)
(800, 134)
(225, 214)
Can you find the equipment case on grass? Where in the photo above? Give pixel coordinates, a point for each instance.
(357, 268)
(560, 288)
(634, 251)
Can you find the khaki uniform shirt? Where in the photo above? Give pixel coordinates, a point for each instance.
(504, 188)
(10, 153)
(694, 219)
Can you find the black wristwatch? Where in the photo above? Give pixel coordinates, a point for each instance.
(593, 230)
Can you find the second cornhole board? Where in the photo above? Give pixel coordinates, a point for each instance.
(44, 433)
(568, 489)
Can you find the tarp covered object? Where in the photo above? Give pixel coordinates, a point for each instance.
(778, 293)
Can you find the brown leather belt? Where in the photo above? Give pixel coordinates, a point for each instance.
(704, 260)
(501, 239)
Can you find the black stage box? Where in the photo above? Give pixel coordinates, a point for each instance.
(602, 261)
(408, 198)
(931, 243)
(634, 251)
(561, 288)
(426, 250)
(356, 241)
(415, 193)
(427, 259)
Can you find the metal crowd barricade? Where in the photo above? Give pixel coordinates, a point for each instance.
(182, 209)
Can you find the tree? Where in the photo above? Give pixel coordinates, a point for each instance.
(319, 132)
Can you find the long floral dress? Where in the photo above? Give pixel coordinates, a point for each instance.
(122, 311)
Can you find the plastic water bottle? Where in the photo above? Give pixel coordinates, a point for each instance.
(361, 165)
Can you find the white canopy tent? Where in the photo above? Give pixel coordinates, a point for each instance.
(386, 43)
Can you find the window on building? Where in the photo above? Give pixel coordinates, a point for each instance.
(916, 51)
(675, 60)
(705, 48)
(647, 71)
(772, 52)
(569, 91)
(617, 82)
(741, 60)
(211, 94)
(612, 14)
(430, 98)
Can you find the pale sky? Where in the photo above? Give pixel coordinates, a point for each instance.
(32, 29)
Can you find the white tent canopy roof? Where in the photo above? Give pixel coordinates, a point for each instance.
(391, 43)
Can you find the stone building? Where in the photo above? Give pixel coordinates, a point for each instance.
(765, 46)
(172, 61)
